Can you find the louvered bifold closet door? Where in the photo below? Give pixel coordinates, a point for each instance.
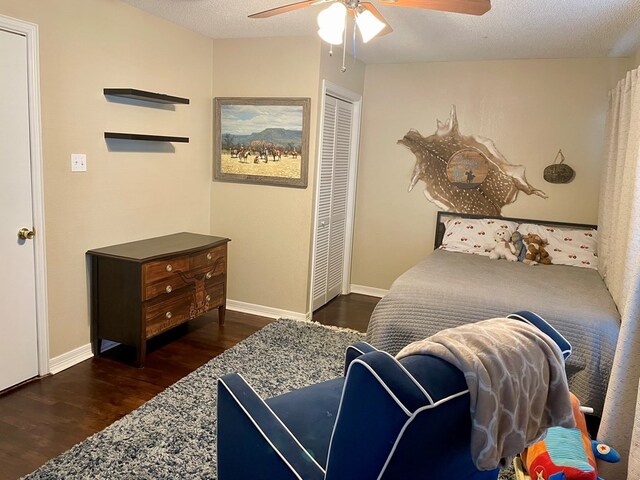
(333, 190)
(339, 198)
(321, 254)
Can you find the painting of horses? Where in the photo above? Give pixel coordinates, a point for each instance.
(262, 140)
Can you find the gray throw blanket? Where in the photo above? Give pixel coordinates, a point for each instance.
(516, 379)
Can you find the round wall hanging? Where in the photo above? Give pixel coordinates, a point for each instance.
(558, 172)
(467, 169)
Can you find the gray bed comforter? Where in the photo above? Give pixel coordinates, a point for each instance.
(448, 289)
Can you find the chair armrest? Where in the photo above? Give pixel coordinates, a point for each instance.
(546, 328)
(250, 430)
(378, 399)
(354, 351)
(397, 379)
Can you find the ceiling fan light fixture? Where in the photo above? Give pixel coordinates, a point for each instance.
(332, 36)
(368, 25)
(332, 23)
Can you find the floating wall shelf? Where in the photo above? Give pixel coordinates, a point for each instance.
(143, 95)
(132, 93)
(147, 138)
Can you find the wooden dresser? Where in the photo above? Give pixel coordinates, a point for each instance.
(141, 289)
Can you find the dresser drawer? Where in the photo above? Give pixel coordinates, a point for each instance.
(165, 313)
(164, 287)
(161, 315)
(215, 295)
(213, 260)
(155, 271)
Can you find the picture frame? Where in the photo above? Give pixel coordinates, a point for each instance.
(262, 140)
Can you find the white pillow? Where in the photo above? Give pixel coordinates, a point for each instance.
(471, 235)
(567, 246)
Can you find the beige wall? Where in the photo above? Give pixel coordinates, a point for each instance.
(86, 45)
(636, 59)
(352, 79)
(269, 226)
(529, 108)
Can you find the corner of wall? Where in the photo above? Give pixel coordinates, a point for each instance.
(270, 227)
(126, 193)
(330, 69)
(529, 108)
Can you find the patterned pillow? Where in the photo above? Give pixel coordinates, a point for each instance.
(471, 235)
(567, 246)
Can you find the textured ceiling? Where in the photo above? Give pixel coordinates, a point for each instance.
(511, 29)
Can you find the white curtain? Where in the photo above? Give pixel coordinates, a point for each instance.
(619, 264)
(634, 451)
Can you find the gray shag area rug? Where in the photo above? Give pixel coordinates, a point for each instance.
(173, 435)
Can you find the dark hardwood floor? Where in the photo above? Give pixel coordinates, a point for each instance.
(45, 417)
(349, 311)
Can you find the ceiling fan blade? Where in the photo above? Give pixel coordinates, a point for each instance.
(369, 6)
(471, 7)
(287, 8)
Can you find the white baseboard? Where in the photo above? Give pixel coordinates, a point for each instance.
(263, 311)
(80, 354)
(371, 291)
(69, 359)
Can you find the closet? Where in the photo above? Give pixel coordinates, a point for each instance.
(335, 196)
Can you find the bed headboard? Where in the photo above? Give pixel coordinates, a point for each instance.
(443, 216)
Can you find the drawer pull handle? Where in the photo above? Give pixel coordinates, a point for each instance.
(209, 256)
(168, 289)
(169, 268)
(208, 298)
(168, 315)
(209, 275)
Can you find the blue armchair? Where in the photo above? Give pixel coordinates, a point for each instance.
(385, 420)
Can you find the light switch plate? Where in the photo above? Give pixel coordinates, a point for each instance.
(78, 162)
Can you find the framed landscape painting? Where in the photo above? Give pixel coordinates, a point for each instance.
(262, 140)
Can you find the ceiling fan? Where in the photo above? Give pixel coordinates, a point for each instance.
(369, 20)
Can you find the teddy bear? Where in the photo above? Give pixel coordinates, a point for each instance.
(536, 253)
(518, 243)
(502, 247)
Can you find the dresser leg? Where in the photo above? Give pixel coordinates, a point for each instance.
(96, 346)
(222, 310)
(96, 341)
(141, 354)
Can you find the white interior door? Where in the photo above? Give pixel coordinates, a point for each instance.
(332, 210)
(18, 332)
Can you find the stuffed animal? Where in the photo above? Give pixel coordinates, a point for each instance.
(567, 453)
(536, 253)
(502, 248)
(518, 244)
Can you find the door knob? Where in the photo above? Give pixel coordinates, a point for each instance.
(26, 234)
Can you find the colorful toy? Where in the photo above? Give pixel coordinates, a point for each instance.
(567, 453)
(536, 253)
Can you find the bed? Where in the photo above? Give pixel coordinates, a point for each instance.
(450, 288)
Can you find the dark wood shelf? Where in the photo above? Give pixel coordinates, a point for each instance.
(146, 138)
(143, 95)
